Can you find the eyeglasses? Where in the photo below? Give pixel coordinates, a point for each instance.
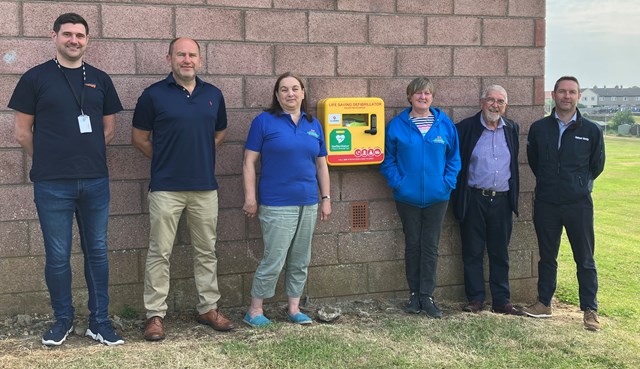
(491, 101)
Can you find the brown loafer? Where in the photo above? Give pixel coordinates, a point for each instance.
(474, 306)
(507, 309)
(215, 320)
(154, 329)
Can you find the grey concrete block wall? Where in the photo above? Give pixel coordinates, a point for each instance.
(341, 48)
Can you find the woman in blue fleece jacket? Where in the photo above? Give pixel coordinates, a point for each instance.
(421, 165)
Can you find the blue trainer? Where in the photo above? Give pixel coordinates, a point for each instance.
(104, 333)
(58, 332)
(257, 321)
(300, 318)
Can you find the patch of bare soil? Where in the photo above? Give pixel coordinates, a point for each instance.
(22, 334)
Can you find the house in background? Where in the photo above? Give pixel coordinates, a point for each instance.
(616, 98)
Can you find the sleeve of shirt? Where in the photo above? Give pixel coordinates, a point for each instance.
(255, 137)
(516, 139)
(532, 150)
(144, 114)
(221, 122)
(596, 164)
(24, 96)
(453, 163)
(112, 102)
(323, 143)
(389, 166)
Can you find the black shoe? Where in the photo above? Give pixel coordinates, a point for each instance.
(58, 332)
(430, 308)
(413, 305)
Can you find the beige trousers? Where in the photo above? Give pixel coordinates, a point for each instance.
(165, 208)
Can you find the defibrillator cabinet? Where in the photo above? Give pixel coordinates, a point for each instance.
(353, 130)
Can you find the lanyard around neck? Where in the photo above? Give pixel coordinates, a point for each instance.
(84, 81)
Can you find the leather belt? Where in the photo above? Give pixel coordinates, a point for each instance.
(489, 193)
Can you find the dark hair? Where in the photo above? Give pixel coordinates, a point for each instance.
(178, 38)
(275, 107)
(566, 78)
(69, 18)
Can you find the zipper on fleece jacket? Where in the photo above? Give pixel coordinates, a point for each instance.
(424, 142)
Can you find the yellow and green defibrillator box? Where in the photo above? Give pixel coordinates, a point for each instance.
(353, 130)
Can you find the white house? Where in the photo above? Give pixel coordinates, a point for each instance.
(618, 98)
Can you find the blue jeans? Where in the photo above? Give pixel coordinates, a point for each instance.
(57, 201)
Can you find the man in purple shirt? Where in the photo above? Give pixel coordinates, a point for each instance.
(485, 197)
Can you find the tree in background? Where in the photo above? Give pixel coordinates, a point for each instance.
(621, 117)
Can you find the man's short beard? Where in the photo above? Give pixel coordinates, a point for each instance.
(493, 116)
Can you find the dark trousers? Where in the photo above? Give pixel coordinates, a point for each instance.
(421, 228)
(577, 220)
(487, 222)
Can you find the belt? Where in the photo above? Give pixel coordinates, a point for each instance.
(489, 193)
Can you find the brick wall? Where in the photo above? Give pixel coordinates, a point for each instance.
(342, 48)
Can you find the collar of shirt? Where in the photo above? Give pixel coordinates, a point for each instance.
(285, 114)
(563, 126)
(170, 80)
(570, 122)
(484, 123)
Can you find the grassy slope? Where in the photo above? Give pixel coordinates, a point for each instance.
(483, 341)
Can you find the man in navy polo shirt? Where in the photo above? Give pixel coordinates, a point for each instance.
(65, 114)
(177, 123)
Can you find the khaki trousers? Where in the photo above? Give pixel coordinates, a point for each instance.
(165, 208)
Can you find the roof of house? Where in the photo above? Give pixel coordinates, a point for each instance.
(615, 91)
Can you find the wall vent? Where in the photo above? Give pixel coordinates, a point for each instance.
(359, 216)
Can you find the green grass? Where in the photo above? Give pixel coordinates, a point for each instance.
(616, 198)
(395, 340)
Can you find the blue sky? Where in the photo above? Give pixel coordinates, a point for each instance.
(596, 41)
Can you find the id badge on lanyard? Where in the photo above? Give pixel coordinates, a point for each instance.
(85, 123)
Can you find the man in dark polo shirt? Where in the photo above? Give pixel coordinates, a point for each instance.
(485, 197)
(65, 114)
(178, 122)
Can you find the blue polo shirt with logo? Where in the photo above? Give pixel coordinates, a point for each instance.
(183, 129)
(288, 154)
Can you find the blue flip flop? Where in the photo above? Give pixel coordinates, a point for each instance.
(257, 321)
(299, 318)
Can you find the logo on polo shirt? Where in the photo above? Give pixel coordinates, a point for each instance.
(582, 138)
(313, 133)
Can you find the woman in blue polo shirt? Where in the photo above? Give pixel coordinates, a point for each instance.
(290, 145)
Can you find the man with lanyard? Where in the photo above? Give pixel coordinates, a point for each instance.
(65, 115)
(566, 154)
(187, 118)
(485, 198)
